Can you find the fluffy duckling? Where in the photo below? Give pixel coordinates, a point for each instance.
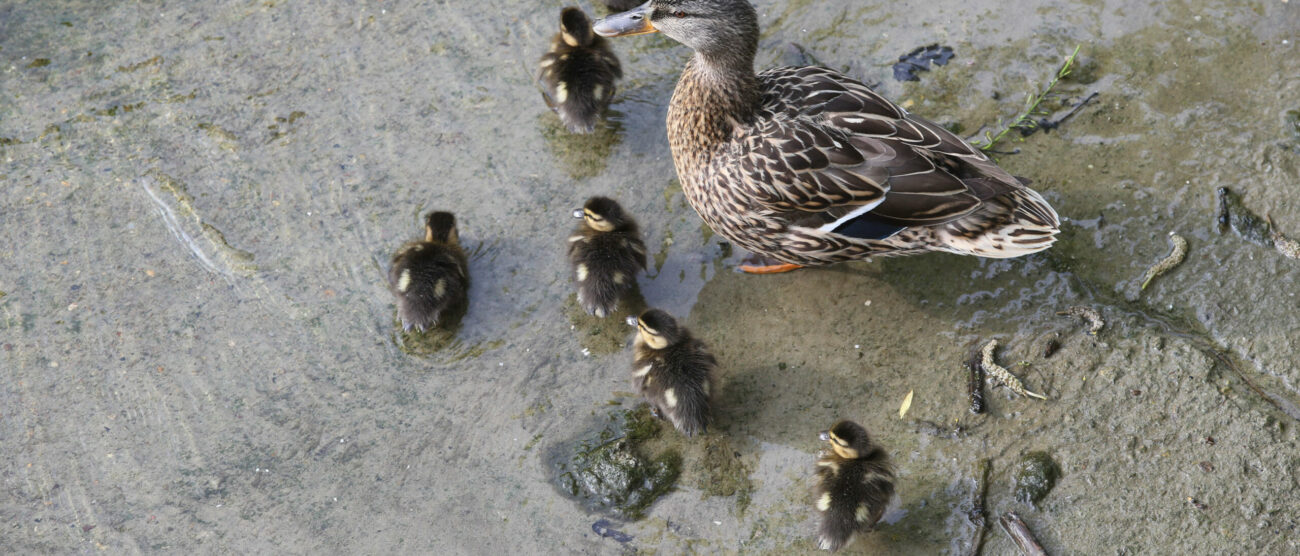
(854, 483)
(673, 371)
(577, 75)
(431, 276)
(606, 253)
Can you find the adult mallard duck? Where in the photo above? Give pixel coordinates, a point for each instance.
(809, 167)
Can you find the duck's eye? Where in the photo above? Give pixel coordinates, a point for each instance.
(679, 14)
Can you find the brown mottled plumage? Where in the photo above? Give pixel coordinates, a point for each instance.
(855, 482)
(673, 370)
(606, 254)
(810, 167)
(577, 75)
(431, 277)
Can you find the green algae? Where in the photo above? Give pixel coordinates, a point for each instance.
(580, 155)
(1035, 475)
(724, 473)
(607, 335)
(611, 472)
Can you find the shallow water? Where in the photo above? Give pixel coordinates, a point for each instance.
(200, 354)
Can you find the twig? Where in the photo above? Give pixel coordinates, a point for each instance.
(1019, 532)
(977, 515)
(975, 382)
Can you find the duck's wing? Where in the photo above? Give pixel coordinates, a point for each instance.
(839, 157)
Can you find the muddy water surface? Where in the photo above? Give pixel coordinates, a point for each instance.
(199, 200)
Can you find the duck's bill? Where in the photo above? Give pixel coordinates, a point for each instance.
(632, 22)
(577, 213)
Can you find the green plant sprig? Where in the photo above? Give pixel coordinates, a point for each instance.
(1025, 120)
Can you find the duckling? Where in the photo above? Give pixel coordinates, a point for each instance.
(854, 483)
(577, 75)
(431, 276)
(673, 371)
(606, 253)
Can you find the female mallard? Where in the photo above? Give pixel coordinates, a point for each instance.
(810, 167)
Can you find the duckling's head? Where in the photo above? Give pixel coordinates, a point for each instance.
(848, 439)
(440, 227)
(604, 215)
(714, 28)
(575, 27)
(657, 329)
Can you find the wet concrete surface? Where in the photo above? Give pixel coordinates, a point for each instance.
(200, 351)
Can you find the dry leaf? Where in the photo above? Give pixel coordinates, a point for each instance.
(907, 404)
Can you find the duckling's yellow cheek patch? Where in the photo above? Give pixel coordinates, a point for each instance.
(824, 503)
(569, 39)
(582, 272)
(404, 281)
(670, 397)
(561, 92)
(440, 288)
(862, 514)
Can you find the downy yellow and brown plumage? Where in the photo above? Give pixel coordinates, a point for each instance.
(430, 278)
(810, 167)
(606, 254)
(673, 371)
(577, 75)
(855, 481)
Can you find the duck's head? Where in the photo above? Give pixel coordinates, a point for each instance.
(657, 329)
(711, 27)
(575, 27)
(848, 439)
(604, 215)
(440, 227)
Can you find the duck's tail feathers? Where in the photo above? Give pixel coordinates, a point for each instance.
(1015, 223)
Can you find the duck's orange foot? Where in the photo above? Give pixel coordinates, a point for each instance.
(769, 269)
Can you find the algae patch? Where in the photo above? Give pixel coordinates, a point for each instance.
(724, 473)
(1036, 474)
(581, 155)
(604, 335)
(611, 471)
